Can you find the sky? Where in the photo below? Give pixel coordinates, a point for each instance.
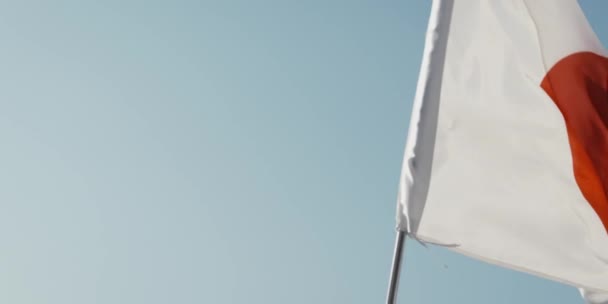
(219, 152)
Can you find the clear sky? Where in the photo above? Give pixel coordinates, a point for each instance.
(218, 152)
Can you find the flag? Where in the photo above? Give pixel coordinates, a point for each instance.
(594, 297)
(506, 159)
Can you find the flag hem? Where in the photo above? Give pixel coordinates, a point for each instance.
(431, 241)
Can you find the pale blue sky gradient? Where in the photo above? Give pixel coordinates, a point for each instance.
(218, 152)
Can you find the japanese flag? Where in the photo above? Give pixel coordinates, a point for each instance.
(507, 152)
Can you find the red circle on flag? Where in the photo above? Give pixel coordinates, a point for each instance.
(578, 84)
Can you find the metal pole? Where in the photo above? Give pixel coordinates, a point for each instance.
(393, 284)
(424, 116)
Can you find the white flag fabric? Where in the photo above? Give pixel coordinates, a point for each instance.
(593, 297)
(507, 152)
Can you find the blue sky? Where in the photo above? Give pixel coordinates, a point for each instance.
(218, 152)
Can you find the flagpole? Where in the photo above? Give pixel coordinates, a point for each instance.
(393, 284)
(422, 129)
